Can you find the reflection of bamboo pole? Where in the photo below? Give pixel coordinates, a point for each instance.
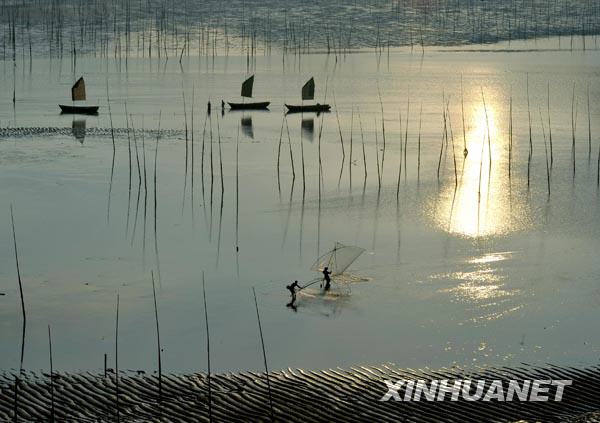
(186, 145)
(377, 158)
(156, 201)
(487, 125)
(444, 137)
(112, 169)
(279, 153)
(292, 154)
(130, 171)
(550, 129)
(530, 155)
(462, 105)
(192, 142)
(400, 156)
(383, 134)
(350, 161)
(237, 191)
(452, 145)
(598, 169)
(546, 150)
(340, 132)
(220, 157)
(406, 135)
(589, 125)
(419, 143)
(510, 135)
(303, 165)
(573, 127)
(362, 136)
(202, 156)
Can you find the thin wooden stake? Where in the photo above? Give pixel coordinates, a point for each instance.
(207, 350)
(262, 341)
(117, 363)
(157, 340)
(52, 416)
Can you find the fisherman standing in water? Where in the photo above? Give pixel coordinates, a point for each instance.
(326, 278)
(292, 289)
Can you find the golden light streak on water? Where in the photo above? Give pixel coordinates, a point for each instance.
(481, 204)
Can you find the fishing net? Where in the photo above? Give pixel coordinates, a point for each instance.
(335, 291)
(338, 259)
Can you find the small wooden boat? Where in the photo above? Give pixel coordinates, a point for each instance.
(83, 110)
(247, 87)
(78, 94)
(308, 108)
(308, 93)
(261, 105)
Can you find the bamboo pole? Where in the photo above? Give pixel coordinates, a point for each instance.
(262, 341)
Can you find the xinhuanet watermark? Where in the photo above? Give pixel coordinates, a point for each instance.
(475, 390)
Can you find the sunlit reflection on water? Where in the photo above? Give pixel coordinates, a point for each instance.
(480, 204)
(482, 288)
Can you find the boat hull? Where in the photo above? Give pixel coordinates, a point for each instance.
(82, 110)
(308, 108)
(262, 105)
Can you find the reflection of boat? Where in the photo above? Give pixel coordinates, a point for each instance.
(78, 130)
(308, 108)
(247, 86)
(78, 94)
(247, 129)
(307, 127)
(308, 93)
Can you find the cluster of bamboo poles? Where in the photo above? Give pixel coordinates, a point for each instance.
(132, 28)
(447, 142)
(116, 412)
(137, 166)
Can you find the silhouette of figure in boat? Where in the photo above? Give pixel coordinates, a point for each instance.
(326, 279)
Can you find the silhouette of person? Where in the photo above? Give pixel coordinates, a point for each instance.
(292, 288)
(326, 278)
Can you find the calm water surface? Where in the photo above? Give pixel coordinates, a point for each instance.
(477, 268)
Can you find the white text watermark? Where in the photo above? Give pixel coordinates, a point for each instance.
(475, 390)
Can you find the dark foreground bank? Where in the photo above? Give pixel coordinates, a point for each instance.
(295, 395)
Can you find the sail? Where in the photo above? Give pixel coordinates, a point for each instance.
(78, 90)
(308, 90)
(247, 87)
(338, 259)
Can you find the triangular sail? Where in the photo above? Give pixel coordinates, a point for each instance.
(247, 87)
(78, 90)
(338, 259)
(308, 90)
